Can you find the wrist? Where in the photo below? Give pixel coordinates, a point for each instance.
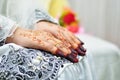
(15, 34)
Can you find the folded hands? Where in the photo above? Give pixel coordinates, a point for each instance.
(50, 37)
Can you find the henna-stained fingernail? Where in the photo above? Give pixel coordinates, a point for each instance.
(81, 53)
(59, 53)
(73, 51)
(71, 58)
(81, 42)
(82, 49)
(74, 55)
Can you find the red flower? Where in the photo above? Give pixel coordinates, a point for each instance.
(68, 18)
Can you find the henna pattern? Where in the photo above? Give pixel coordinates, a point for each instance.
(37, 35)
(32, 35)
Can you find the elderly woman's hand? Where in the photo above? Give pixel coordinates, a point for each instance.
(64, 35)
(40, 39)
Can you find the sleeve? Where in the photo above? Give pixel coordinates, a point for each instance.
(40, 15)
(6, 28)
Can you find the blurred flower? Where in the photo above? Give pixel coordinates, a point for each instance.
(68, 19)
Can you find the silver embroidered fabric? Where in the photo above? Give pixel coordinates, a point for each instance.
(29, 64)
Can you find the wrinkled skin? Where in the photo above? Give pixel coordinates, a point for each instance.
(49, 37)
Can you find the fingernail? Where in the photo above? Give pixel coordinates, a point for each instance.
(82, 49)
(76, 60)
(81, 43)
(73, 51)
(59, 53)
(74, 55)
(81, 53)
(71, 58)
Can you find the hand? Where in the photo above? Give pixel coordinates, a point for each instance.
(39, 39)
(64, 35)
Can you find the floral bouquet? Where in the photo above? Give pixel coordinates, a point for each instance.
(69, 20)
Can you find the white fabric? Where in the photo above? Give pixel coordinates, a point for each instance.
(20, 10)
(79, 71)
(6, 26)
(106, 57)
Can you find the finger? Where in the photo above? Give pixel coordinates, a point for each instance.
(59, 53)
(74, 55)
(68, 38)
(81, 42)
(59, 35)
(80, 52)
(82, 48)
(78, 41)
(59, 45)
(46, 46)
(71, 58)
(74, 52)
(74, 38)
(74, 45)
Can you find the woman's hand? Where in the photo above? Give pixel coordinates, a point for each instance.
(40, 39)
(64, 35)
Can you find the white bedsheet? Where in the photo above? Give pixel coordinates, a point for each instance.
(103, 65)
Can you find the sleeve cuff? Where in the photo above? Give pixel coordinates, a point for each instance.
(6, 27)
(40, 15)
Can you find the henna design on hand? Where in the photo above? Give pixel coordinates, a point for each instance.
(31, 35)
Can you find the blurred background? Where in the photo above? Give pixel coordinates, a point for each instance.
(100, 18)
